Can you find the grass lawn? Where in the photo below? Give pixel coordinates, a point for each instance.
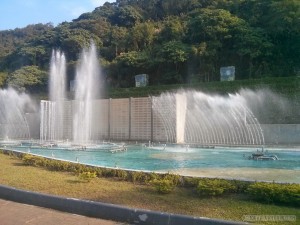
(181, 201)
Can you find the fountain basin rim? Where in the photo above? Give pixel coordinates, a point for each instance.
(144, 171)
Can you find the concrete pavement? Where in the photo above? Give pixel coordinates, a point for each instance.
(13, 213)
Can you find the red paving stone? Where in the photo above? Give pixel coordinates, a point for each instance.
(13, 213)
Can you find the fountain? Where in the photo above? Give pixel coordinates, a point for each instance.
(87, 89)
(181, 109)
(186, 132)
(187, 117)
(13, 121)
(208, 120)
(52, 112)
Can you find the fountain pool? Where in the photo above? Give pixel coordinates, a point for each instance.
(222, 162)
(185, 117)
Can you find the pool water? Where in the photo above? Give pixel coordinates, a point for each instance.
(217, 162)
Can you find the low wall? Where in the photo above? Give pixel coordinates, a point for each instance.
(104, 210)
(135, 119)
(281, 134)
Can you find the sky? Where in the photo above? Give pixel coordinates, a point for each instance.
(20, 13)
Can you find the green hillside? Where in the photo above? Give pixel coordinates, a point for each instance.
(173, 41)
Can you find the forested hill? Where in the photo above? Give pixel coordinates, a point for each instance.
(173, 41)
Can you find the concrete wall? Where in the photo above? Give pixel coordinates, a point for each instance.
(141, 119)
(119, 119)
(33, 120)
(100, 129)
(284, 134)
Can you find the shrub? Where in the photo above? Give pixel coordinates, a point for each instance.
(78, 168)
(87, 176)
(32, 160)
(137, 176)
(99, 172)
(275, 193)
(109, 172)
(176, 179)
(12, 154)
(55, 165)
(28, 160)
(72, 167)
(121, 174)
(150, 177)
(163, 186)
(240, 186)
(191, 181)
(214, 187)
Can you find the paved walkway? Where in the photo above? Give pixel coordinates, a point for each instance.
(12, 213)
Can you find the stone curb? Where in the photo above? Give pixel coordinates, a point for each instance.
(104, 210)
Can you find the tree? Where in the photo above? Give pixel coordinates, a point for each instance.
(283, 26)
(98, 27)
(106, 11)
(32, 54)
(126, 16)
(11, 39)
(115, 42)
(279, 21)
(174, 28)
(169, 39)
(72, 41)
(254, 48)
(28, 78)
(26, 55)
(142, 35)
(172, 55)
(215, 29)
(177, 7)
(126, 66)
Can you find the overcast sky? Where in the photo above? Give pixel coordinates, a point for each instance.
(20, 13)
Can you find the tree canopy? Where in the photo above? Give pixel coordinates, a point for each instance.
(28, 78)
(173, 41)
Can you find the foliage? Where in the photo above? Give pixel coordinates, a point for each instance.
(87, 176)
(28, 78)
(240, 186)
(172, 41)
(142, 35)
(174, 178)
(164, 185)
(126, 16)
(214, 187)
(29, 160)
(287, 86)
(173, 29)
(275, 193)
(3, 77)
(137, 176)
(121, 174)
(11, 39)
(191, 181)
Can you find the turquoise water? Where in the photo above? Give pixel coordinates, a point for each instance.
(167, 158)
